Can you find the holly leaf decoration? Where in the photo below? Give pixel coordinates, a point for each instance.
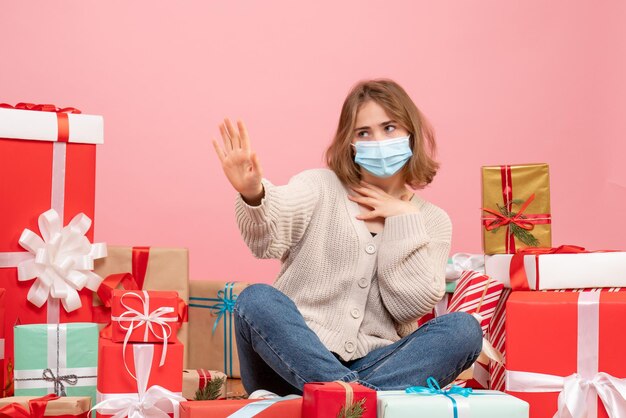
(521, 234)
(356, 410)
(211, 391)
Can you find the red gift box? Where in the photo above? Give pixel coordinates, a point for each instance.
(563, 346)
(145, 316)
(322, 400)
(129, 374)
(263, 408)
(43, 165)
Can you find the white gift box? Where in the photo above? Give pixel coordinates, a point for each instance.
(43, 126)
(563, 271)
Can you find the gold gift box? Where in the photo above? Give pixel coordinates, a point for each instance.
(214, 346)
(168, 269)
(519, 183)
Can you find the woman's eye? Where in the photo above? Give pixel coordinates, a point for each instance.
(390, 128)
(362, 134)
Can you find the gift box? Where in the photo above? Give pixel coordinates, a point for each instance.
(145, 316)
(153, 268)
(496, 335)
(136, 374)
(210, 315)
(477, 403)
(47, 406)
(286, 407)
(47, 161)
(59, 359)
(3, 383)
(565, 348)
(329, 399)
(564, 267)
(516, 207)
(476, 294)
(197, 380)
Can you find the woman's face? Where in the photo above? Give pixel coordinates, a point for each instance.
(374, 124)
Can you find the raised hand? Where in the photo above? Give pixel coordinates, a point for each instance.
(239, 162)
(382, 204)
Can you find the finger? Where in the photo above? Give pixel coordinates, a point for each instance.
(405, 197)
(364, 191)
(368, 215)
(243, 134)
(372, 187)
(366, 201)
(228, 145)
(233, 133)
(219, 151)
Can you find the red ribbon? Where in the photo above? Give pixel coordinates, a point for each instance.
(204, 377)
(63, 132)
(102, 314)
(140, 257)
(36, 409)
(517, 272)
(526, 222)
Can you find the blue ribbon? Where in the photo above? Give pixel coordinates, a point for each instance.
(433, 388)
(223, 308)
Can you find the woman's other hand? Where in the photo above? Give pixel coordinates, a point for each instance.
(239, 162)
(382, 204)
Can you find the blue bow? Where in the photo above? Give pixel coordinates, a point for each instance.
(433, 388)
(224, 304)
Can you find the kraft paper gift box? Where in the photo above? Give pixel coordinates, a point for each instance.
(47, 161)
(516, 207)
(194, 380)
(145, 316)
(563, 348)
(564, 267)
(153, 268)
(134, 374)
(60, 359)
(210, 316)
(328, 399)
(479, 403)
(47, 406)
(287, 407)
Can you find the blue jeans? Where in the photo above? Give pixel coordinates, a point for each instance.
(280, 353)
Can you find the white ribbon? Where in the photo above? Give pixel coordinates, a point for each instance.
(60, 260)
(155, 402)
(138, 319)
(1, 348)
(462, 262)
(577, 397)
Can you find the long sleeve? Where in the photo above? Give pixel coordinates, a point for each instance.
(271, 229)
(412, 260)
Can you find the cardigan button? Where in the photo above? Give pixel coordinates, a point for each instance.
(363, 282)
(370, 248)
(349, 346)
(355, 313)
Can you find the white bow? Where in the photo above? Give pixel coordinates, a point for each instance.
(574, 390)
(149, 319)
(462, 262)
(61, 260)
(156, 402)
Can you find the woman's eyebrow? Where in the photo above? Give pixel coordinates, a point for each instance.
(381, 124)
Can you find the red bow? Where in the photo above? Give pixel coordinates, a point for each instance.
(517, 272)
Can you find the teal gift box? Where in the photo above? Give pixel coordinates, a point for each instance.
(479, 403)
(56, 358)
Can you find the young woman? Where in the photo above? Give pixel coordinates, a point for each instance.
(363, 257)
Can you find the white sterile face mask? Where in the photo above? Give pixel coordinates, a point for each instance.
(383, 158)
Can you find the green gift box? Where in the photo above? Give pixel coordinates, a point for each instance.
(478, 403)
(56, 358)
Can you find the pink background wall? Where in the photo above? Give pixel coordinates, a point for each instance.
(502, 82)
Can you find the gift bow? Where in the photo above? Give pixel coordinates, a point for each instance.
(433, 388)
(154, 402)
(61, 260)
(462, 262)
(224, 304)
(40, 107)
(138, 319)
(574, 391)
(36, 408)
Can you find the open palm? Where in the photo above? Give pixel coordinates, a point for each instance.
(239, 162)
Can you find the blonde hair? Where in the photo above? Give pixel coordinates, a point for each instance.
(421, 167)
